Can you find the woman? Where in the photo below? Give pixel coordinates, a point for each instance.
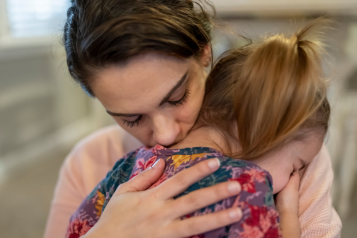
(145, 62)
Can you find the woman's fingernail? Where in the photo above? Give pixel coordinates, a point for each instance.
(234, 187)
(157, 161)
(214, 163)
(235, 213)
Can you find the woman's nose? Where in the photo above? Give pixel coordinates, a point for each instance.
(165, 130)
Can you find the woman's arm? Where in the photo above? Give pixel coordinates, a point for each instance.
(318, 219)
(85, 166)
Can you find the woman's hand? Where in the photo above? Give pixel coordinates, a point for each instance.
(287, 204)
(132, 212)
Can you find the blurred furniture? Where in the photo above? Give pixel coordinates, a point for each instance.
(342, 141)
(284, 8)
(41, 108)
(342, 144)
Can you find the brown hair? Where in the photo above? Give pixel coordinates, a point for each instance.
(99, 33)
(272, 89)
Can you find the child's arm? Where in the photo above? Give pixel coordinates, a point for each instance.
(287, 205)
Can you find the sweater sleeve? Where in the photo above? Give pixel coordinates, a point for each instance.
(90, 210)
(86, 165)
(318, 219)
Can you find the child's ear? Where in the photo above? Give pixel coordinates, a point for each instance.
(206, 55)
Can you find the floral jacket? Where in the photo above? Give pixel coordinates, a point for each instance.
(260, 218)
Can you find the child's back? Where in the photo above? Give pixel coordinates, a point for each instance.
(259, 216)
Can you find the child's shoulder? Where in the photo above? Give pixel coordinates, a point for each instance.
(251, 177)
(256, 183)
(228, 163)
(238, 166)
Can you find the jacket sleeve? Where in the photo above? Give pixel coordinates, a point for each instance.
(90, 210)
(86, 165)
(87, 214)
(318, 219)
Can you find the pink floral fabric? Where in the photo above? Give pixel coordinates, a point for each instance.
(260, 218)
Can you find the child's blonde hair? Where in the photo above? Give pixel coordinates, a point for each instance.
(273, 89)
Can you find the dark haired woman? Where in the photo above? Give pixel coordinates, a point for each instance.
(145, 62)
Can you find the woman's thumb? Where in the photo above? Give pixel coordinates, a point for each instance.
(143, 180)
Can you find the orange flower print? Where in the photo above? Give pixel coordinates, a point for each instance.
(99, 203)
(177, 160)
(180, 159)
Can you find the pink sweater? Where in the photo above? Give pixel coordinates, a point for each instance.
(94, 156)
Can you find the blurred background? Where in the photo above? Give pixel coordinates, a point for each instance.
(43, 113)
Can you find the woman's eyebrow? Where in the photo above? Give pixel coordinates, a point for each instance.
(179, 83)
(122, 114)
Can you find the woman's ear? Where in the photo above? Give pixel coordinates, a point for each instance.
(206, 56)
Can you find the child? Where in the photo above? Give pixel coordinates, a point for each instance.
(265, 103)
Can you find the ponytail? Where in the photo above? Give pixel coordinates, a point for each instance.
(275, 87)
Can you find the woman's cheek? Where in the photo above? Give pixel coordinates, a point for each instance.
(189, 111)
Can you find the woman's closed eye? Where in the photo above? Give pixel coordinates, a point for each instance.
(131, 122)
(134, 122)
(182, 100)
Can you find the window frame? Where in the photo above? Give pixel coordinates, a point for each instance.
(4, 24)
(14, 47)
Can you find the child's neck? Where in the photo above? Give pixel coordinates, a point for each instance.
(206, 136)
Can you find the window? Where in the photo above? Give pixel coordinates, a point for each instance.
(29, 18)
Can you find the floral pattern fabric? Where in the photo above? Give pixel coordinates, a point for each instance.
(260, 218)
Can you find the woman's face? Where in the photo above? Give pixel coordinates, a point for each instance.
(155, 98)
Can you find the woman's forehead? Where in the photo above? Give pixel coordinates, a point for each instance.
(142, 82)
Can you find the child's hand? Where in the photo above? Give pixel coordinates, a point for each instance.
(287, 200)
(287, 204)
